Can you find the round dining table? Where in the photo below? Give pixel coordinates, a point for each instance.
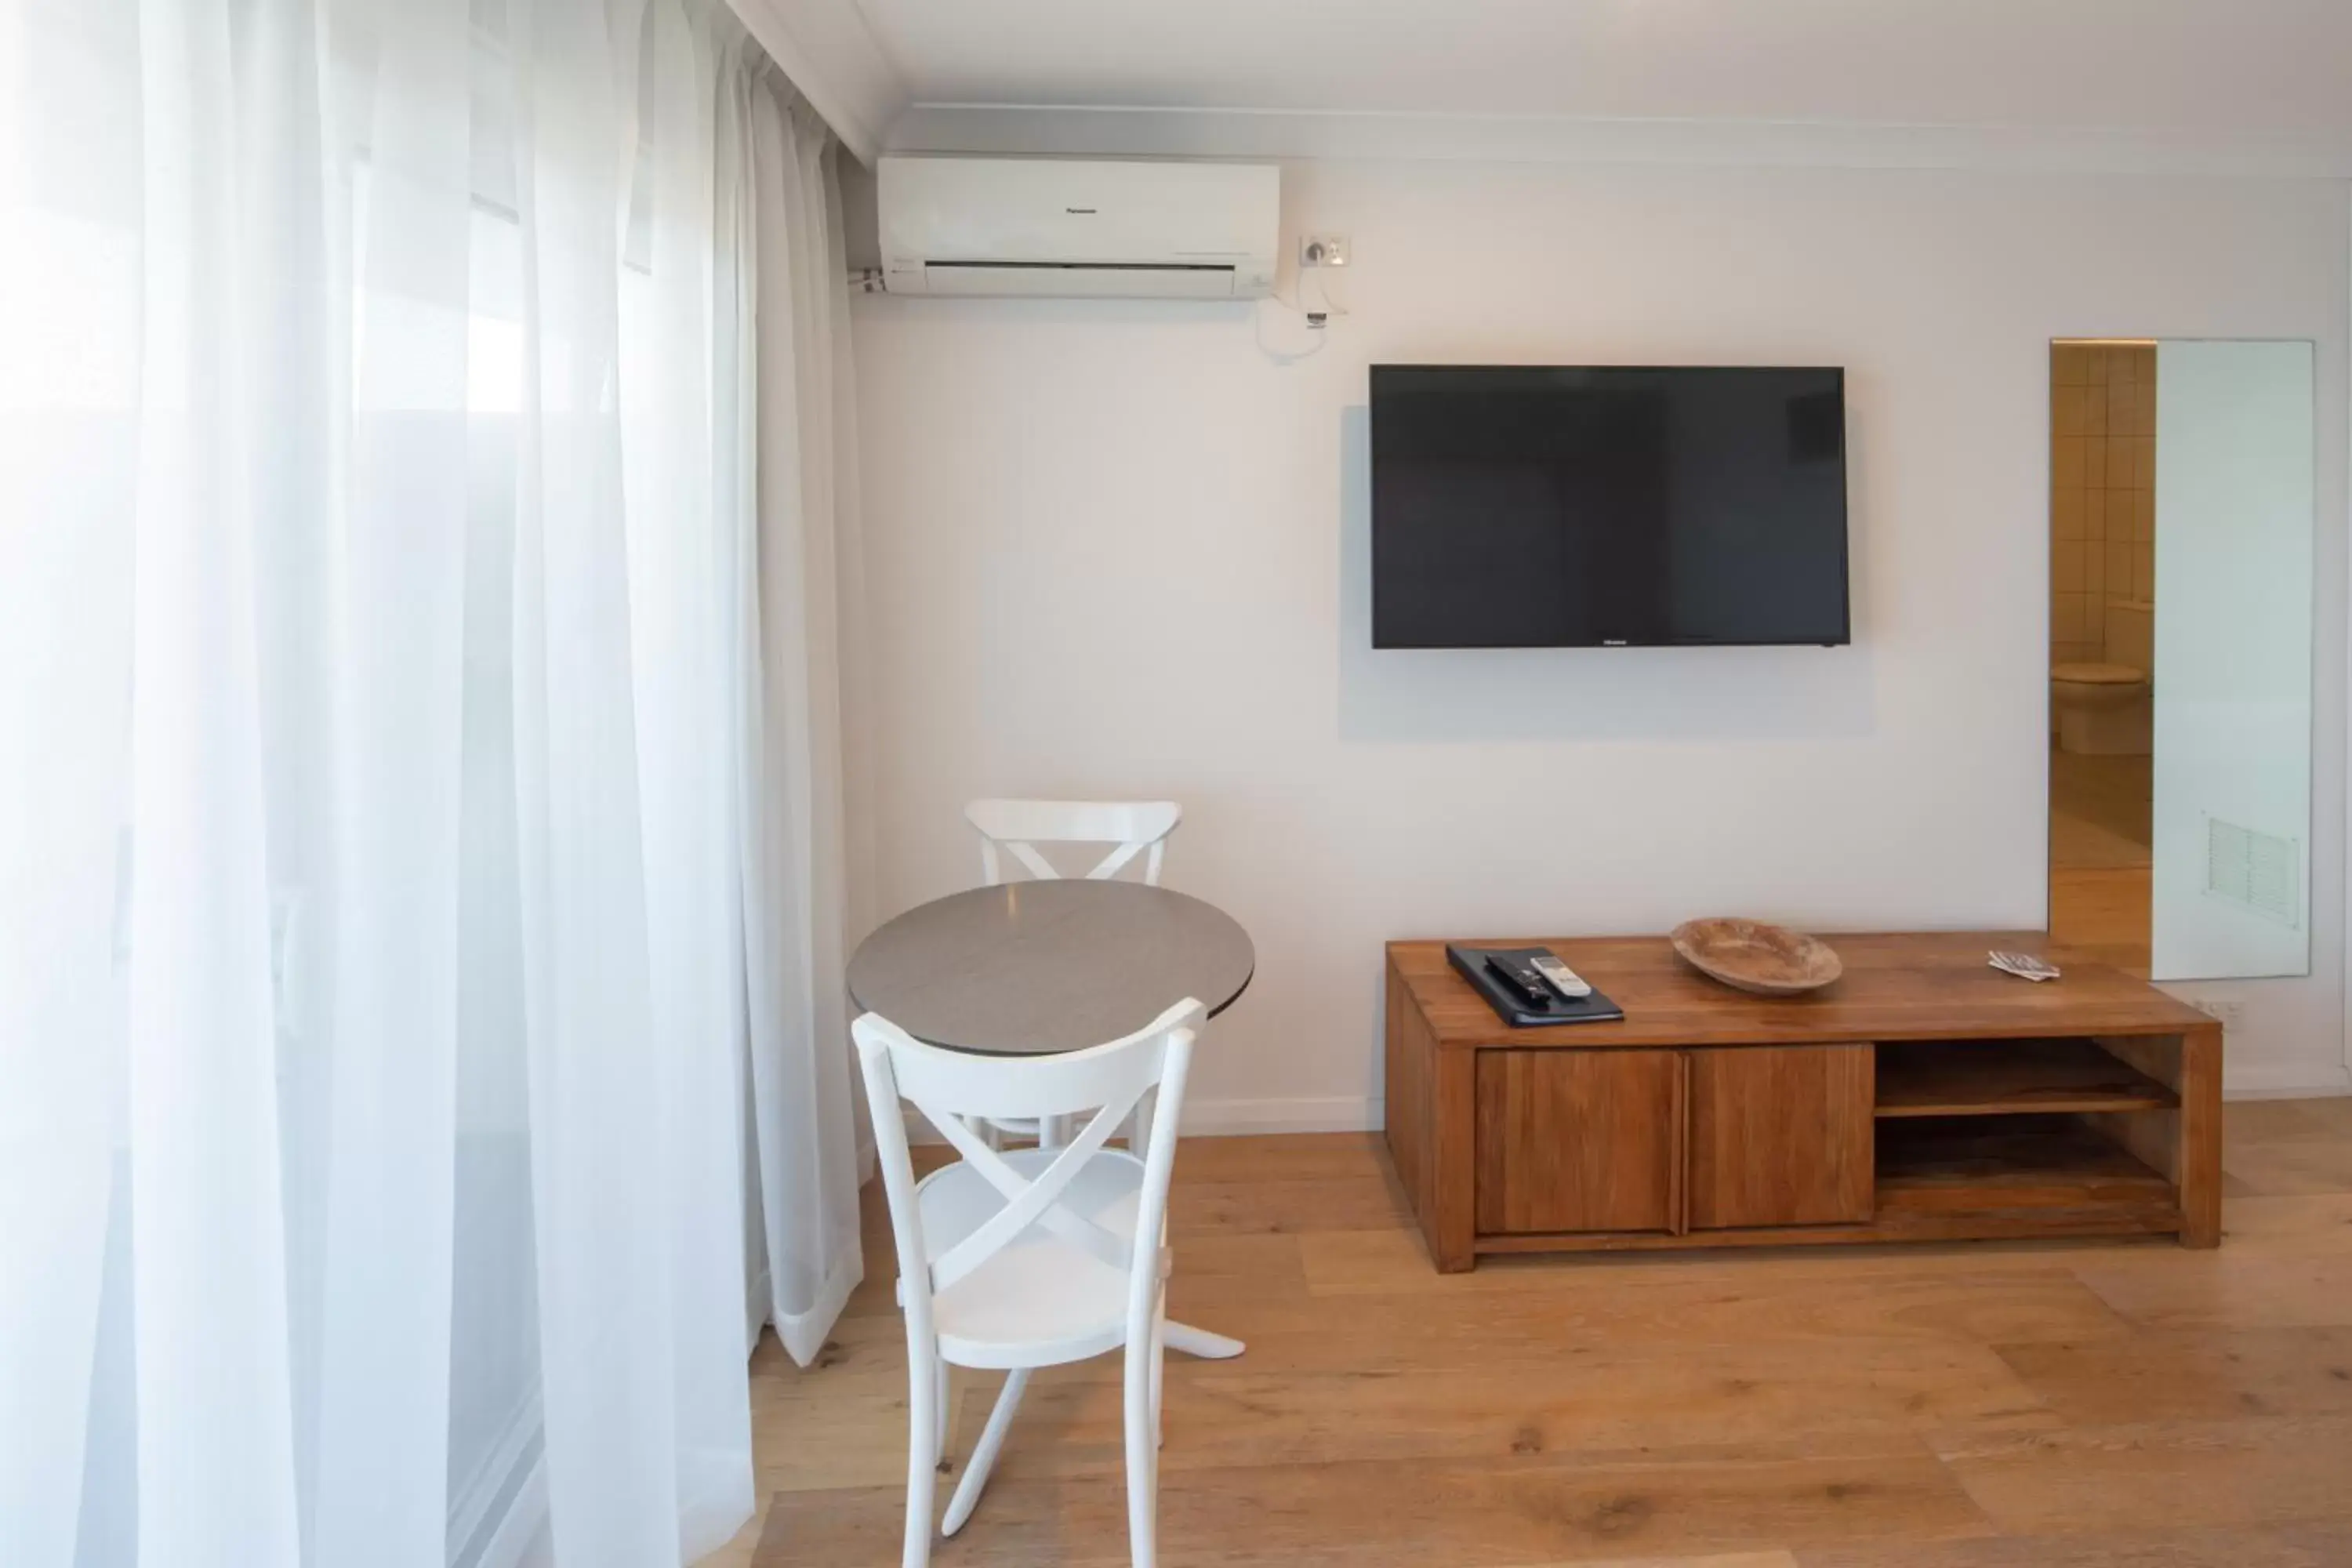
(1037, 968)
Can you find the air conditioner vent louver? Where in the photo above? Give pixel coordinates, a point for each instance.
(2261, 872)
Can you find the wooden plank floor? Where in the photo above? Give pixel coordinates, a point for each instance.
(2028, 1406)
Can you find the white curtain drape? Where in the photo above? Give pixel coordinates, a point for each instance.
(796, 830)
(421, 509)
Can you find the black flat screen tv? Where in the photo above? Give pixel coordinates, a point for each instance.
(1605, 507)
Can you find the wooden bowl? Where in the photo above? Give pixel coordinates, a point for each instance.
(1749, 955)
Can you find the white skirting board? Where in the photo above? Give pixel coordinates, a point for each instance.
(2309, 1079)
(1235, 1118)
(1336, 1114)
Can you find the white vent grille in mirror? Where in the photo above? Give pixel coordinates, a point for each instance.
(2260, 870)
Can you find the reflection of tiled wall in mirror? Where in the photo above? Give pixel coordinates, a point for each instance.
(2102, 489)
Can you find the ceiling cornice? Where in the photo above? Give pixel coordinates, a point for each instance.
(1013, 128)
(829, 50)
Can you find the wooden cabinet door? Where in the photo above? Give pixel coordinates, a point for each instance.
(1780, 1135)
(1579, 1140)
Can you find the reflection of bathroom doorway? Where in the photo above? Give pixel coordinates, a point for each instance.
(2102, 646)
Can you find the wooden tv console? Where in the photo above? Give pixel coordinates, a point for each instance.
(1922, 1097)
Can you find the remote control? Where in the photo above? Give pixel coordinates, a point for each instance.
(1521, 979)
(1561, 977)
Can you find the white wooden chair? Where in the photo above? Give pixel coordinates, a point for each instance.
(1016, 827)
(1035, 1258)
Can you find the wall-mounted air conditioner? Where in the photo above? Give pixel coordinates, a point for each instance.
(1061, 226)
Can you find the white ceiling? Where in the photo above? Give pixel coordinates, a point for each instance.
(2172, 65)
(2219, 86)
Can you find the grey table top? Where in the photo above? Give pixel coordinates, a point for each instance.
(1034, 968)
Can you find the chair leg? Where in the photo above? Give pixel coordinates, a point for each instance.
(922, 1451)
(1158, 1368)
(940, 1448)
(1142, 1453)
(1139, 1138)
(983, 1453)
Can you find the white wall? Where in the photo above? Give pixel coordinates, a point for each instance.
(1120, 548)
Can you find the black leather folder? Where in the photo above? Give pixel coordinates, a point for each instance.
(1470, 962)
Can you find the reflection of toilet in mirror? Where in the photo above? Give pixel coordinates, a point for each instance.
(2104, 708)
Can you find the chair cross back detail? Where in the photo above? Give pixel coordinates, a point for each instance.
(1018, 827)
(1029, 1202)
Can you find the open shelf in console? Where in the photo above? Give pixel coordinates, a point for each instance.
(2007, 1077)
(1941, 1168)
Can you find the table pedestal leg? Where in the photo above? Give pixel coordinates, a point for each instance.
(1202, 1342)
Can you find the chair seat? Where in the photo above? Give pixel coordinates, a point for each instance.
(1041, 1300)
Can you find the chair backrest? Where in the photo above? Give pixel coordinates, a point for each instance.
(948, 1087)
(1018, 827)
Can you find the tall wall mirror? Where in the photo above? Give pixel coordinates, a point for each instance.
(2180, 647)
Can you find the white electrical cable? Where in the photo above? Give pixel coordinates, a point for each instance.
(1283, 356)
(1323, 290)
(1314, 318)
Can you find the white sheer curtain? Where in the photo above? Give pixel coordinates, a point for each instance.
(796, 831)
(420, 753)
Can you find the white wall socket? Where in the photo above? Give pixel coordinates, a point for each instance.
(1323, 250)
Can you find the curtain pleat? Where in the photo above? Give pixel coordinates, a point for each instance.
(396, 751)
(421, 870)
(796, 895)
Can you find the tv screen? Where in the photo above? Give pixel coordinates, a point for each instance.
(1555, 507)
